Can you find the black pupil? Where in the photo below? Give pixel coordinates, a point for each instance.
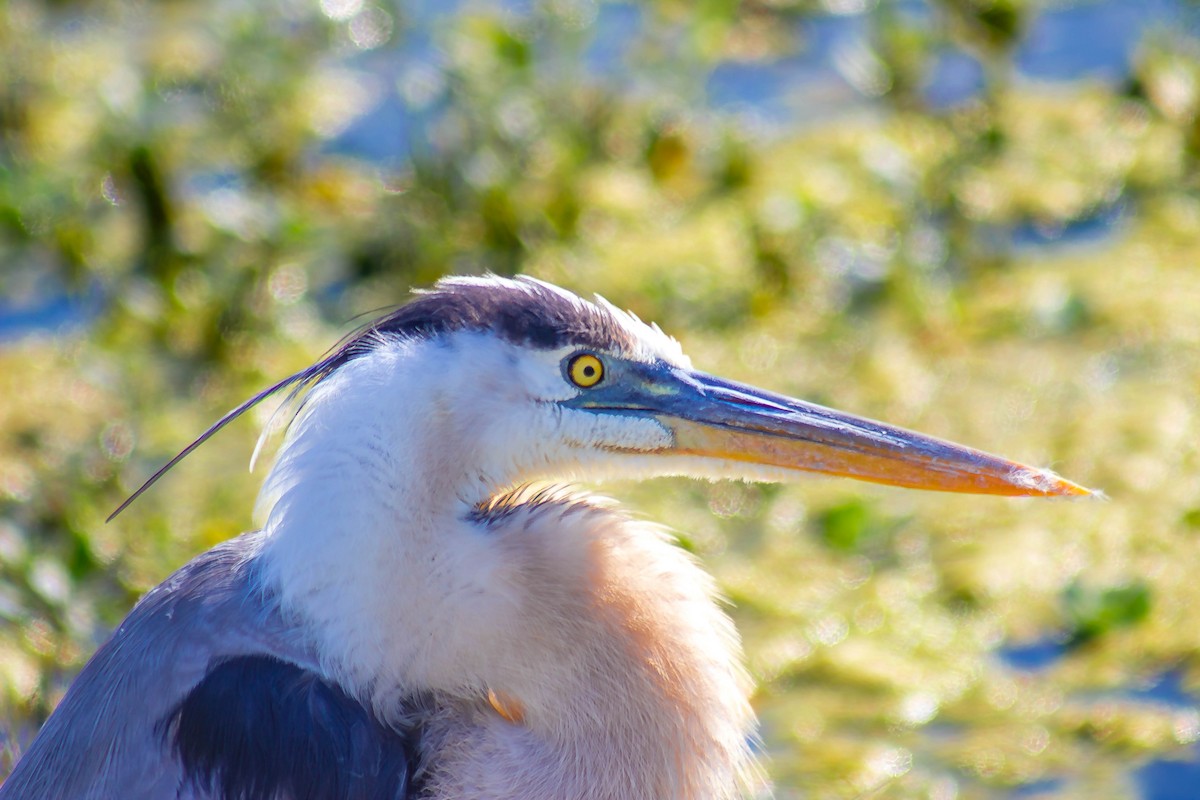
(589, 371)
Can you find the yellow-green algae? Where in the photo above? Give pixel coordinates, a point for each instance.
(863, 262)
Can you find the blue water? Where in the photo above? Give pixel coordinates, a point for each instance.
(1073, 41)
(1157, 780)
(46, 309)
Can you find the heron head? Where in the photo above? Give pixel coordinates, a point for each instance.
(522, 380)
(532, 382)
(636, 407)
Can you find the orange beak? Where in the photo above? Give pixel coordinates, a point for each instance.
(713, 418)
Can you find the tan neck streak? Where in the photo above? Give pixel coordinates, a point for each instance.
(625, 670)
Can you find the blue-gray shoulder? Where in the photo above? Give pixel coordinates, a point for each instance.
(205, 692)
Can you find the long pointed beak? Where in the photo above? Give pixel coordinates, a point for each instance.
(714, 418)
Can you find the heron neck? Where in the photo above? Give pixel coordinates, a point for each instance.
(364, 531)
(605, 633)
(626, 671)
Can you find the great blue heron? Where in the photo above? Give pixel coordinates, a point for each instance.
(415, 621)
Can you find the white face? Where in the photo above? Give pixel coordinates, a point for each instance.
(515, 400)
(474, 414)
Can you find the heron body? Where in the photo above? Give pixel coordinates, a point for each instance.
(430, 613)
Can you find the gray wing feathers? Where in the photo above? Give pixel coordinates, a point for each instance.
(210, 610)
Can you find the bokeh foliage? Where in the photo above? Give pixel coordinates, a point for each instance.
(187, 173)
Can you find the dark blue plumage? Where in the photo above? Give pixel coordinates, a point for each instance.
(257, 728)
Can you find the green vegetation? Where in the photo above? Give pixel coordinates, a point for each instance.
(174, 160)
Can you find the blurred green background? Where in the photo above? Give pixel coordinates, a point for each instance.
(979, 218)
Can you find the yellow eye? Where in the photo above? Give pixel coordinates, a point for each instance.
(585, 370)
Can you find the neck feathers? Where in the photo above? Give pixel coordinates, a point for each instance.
(625, 668)
(359, 499)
